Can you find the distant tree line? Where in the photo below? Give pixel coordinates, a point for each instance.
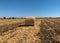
(24, 17)
(9, 18)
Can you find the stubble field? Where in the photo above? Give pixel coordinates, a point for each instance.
(43, 31)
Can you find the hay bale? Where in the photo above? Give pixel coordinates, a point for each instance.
(30, 21)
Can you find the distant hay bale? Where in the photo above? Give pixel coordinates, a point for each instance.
(30, 20)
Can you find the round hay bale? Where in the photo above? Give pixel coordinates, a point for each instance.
(30, 20)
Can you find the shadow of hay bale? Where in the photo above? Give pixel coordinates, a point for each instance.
(7, 27)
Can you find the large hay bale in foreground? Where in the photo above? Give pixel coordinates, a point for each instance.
(29, 21)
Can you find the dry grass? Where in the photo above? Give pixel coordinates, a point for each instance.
(43, 31)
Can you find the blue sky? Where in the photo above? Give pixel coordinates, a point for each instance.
(22, 8)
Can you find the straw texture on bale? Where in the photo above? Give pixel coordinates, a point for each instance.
(30, 21)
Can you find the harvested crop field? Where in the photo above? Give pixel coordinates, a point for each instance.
(44, 31)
